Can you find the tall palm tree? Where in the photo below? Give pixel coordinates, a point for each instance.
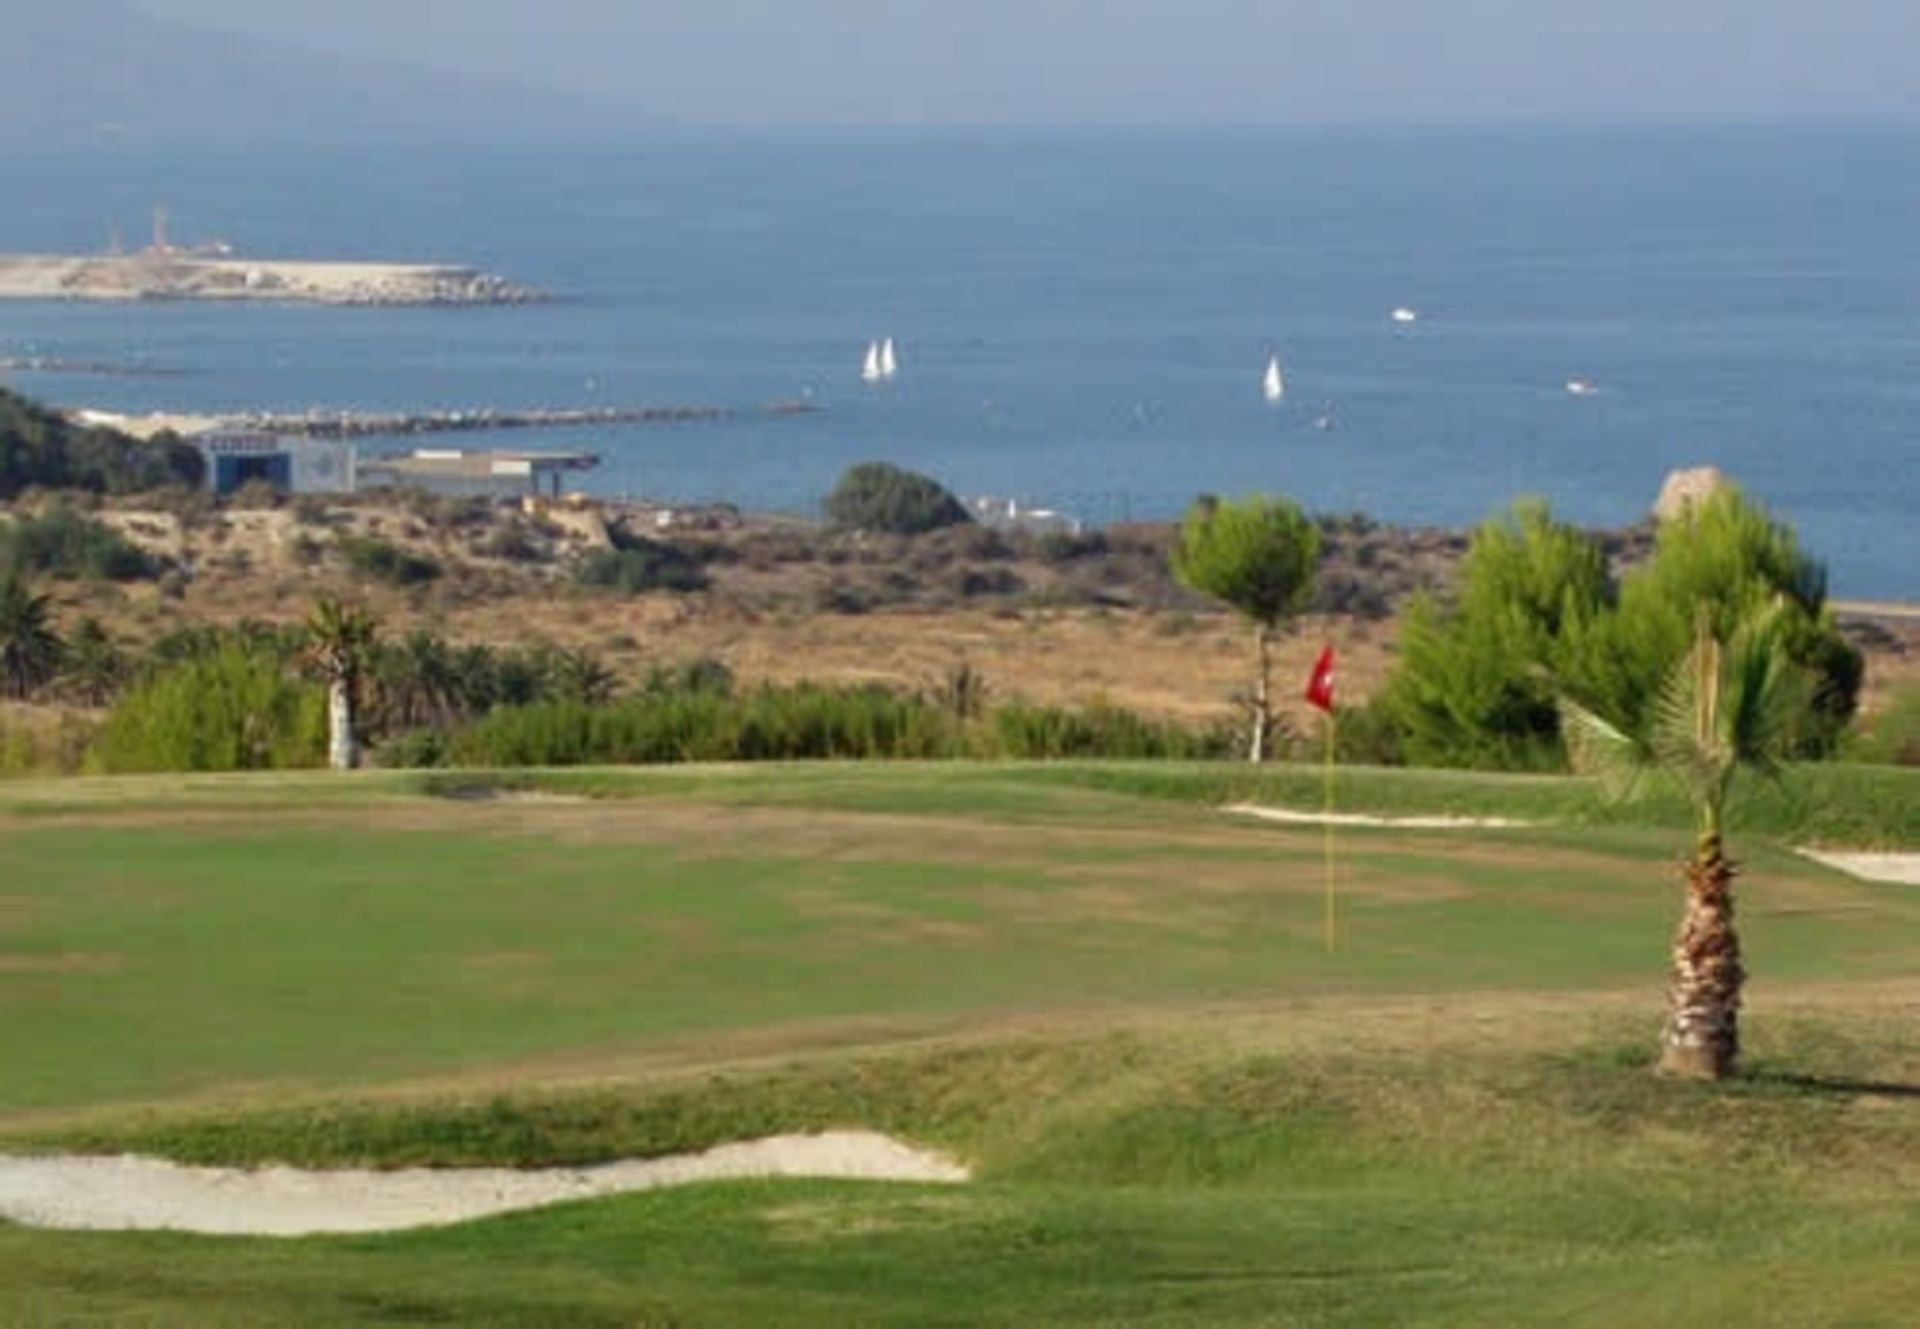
(1727, 706)
(30, 648)
(340, 642)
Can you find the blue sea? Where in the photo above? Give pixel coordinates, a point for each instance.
(1083, 317)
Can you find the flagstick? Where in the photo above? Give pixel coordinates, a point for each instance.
(1328, 825)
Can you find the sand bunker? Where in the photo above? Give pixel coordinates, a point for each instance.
(1430, 823)
(1901, 869)
(129, 1192)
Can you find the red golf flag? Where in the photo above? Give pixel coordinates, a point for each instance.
(1320, 685)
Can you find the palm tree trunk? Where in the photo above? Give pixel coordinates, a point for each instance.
(1702, 1037)
(341, 752)
(1262, 696)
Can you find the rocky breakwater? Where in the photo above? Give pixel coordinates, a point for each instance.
(171, 277)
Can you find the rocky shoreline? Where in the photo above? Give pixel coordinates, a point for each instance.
(150, 277)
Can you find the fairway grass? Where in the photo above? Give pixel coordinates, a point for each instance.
(1110, 1000)
(1830, 804)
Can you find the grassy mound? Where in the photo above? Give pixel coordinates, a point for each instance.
(1308, 1168)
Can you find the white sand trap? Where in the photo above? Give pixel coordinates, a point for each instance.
(1900, 869)
(1432, 823)
(128, 1192)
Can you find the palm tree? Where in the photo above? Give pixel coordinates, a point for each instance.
(94, 668)
(579, 675)
(417, 682)
(30, 649)
(1727, 706)
(340, 641)
(475, 684)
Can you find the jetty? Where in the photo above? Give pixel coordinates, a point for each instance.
(54, 364)
(398, 424)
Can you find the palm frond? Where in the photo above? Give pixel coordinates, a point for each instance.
(1725, 705)
(1599, 748)
(340, 637)
(1685, 732)
(1770, 693)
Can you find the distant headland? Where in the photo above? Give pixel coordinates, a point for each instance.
(180, 276)
(214, 271)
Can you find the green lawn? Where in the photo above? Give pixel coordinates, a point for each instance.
(1109, 998)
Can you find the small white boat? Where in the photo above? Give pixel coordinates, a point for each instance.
(1405, 315)
(871, 371)
(888, 365)
(1581, 387)
(1274, 385)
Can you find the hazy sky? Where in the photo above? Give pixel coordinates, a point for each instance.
(1153, 61)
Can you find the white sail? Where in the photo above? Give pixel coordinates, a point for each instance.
(888, 365)
(871, 371)
(1274, 385)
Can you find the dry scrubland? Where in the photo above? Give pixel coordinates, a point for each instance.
(1049, 620)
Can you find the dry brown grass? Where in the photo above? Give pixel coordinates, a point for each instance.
(1182, 666)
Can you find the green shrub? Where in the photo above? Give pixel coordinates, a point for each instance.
(768, 724)
(642, 565)
(283, 641)
(878, 496)
(1729, 556)
(1891, 735)
(231, 709)
(1537, 615)
(793, 723)
(417, 749)
(703, 674)
(41, 448)
(1477, 683)
(36, 746)
(63, 543)
(1050, 733)
(383, 561)
(1366, 735)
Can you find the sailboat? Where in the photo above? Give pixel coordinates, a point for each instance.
(871, 370)
(1273, 384)
(888, 365)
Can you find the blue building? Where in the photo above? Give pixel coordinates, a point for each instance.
(289, 465)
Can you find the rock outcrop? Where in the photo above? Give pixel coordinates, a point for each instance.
(1685, 488)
